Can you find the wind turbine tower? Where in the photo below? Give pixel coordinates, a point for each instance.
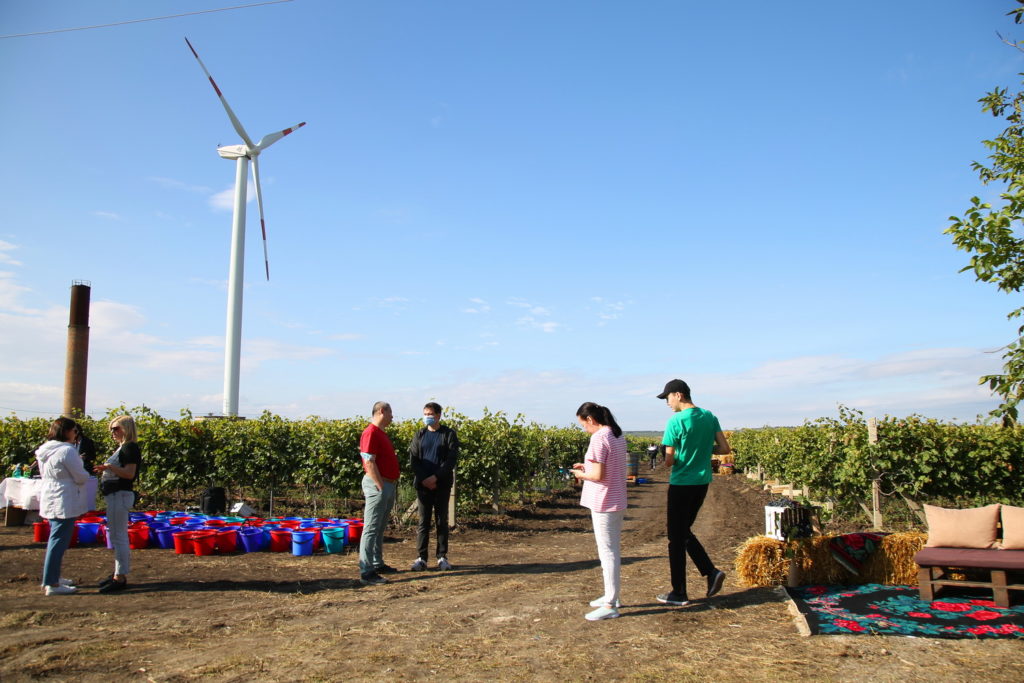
(242, 154)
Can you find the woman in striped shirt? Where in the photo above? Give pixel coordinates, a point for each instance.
(603, 472)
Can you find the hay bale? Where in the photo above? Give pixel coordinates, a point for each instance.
(817, 566)
(762, 561)
(893, 562)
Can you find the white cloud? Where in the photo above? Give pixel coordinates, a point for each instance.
(17, 394)
(6, 258)
(225, 199)
(133, 361)
(609, 310)
(127, 363)
(10, 291)
(542, 325)
(479, 306)
(109, 215)
(532, 309)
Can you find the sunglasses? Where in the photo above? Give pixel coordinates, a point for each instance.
(115, 428)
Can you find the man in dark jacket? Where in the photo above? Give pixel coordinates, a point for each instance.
(433, 454)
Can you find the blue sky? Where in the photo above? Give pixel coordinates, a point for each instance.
(519, 205)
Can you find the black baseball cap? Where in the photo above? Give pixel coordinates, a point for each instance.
(673, 386)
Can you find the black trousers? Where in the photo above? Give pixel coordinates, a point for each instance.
(683, 505)
(433, 503)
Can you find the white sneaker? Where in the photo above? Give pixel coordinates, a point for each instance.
(61, 582)
(60, 590)
(600, 601)
(419, 565)
(602, 613)
(443, 564)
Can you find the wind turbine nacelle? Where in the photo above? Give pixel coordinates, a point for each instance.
(234, 151)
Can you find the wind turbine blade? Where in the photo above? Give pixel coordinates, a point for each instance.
(259, 202)
(271, 138)
(231, 115)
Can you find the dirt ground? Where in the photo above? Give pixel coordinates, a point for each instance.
(512, 608)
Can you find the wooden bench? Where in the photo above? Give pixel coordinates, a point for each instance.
(935, 564)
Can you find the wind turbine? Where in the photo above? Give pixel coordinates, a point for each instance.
(243, 154)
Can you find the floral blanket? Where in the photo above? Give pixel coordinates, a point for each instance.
(853, 550)
(897, 610)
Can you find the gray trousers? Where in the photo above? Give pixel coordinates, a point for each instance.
(119, 506)
(376, 511)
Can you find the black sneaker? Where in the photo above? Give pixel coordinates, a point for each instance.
(372, 579)
(715, 581)
(107, 581)
(673, 598)
(114, 586)
(385, 569)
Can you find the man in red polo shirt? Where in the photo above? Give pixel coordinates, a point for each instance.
(380, 484)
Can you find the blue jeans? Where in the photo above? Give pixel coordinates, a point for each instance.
(376, 511)
(119, 506)
(60, 539)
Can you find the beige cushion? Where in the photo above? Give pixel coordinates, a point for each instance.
(971, 528)
(1013, 528)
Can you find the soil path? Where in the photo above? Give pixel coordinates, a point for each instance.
(512, 608)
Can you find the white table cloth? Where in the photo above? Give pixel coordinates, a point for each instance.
(22, 492)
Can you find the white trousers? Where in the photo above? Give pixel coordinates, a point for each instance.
(608, 534)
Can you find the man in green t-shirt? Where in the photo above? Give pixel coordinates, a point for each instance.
(691, 436)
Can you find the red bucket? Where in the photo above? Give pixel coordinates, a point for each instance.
(280, 540)
(227, 540)
(138, 537)
(214, 523)
(204, 542)
(41, 531)
(183, 542)
(317, 537)
(355, 530)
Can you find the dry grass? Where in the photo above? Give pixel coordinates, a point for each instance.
(763, 561)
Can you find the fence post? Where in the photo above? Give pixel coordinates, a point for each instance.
(451, 505)
(876, 485)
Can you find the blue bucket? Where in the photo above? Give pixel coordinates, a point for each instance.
(87, 532)
(164, 536)
(251, 538)
(302, 542)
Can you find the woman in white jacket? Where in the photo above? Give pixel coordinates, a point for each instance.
(62, 498)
